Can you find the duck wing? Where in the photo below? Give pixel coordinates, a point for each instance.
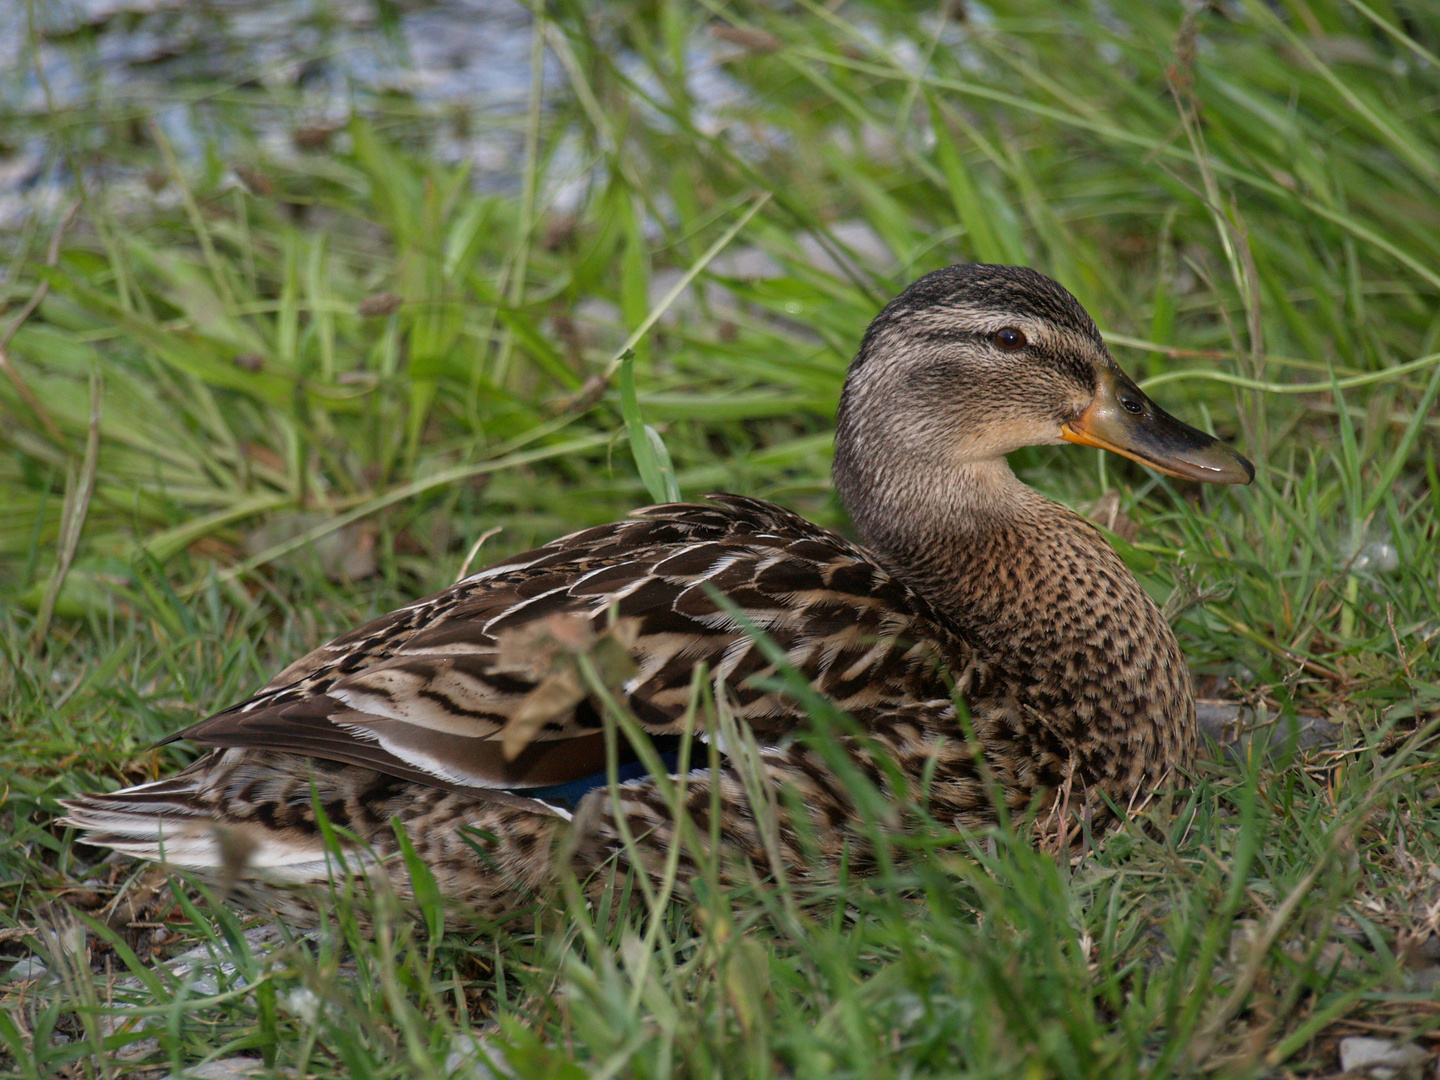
(428, 692)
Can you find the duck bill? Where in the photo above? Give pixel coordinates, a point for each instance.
(1146, 433)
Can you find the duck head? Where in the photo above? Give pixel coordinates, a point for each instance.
(975, 361)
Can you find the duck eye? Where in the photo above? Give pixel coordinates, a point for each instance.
(1008, 338)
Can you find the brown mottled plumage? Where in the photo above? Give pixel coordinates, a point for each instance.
(970, 582)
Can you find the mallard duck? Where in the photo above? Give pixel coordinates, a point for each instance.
(455, 714)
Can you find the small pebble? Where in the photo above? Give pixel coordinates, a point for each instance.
(235, 1068)
(469, 1052)
(1381, 1058)
(30, 967)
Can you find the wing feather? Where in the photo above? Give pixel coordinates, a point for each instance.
(425, 693)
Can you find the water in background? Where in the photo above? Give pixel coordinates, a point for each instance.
(463, 67)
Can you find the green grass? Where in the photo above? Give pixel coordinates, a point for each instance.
(351, 342)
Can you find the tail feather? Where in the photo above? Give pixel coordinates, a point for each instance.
(251, 819)
(168, 821)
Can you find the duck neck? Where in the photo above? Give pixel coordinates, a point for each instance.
(1045, 604)
(1028, 584)
(955, 540)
